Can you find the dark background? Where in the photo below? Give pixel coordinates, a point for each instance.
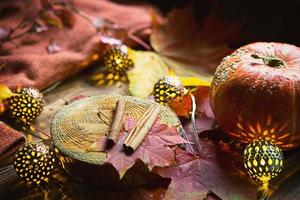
(263, 20)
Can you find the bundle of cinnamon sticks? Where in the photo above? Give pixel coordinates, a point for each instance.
(141, 129)
(138, 133)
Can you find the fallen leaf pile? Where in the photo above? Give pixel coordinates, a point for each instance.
(194, 177)
(216, 172)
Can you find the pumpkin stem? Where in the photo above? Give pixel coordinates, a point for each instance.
(270, 61)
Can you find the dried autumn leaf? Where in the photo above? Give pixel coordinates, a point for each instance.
(50, 18)
(148, 69)
(202, 101)
(187, 70)
(190, 81)
(185, 44)
(67, 17)
(203, 123)
(5, 92)
(182, 105)
(232, 156)
(155, 149)
(195, 177)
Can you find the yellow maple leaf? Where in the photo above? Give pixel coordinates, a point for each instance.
(5, 92)
(193, 81)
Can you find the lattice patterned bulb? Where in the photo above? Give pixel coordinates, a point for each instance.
(166, 89)
(34, 162)
(26, 105)
(263, 161)
(117, 61)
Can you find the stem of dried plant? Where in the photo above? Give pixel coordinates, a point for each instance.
(39, 129)
(196, 137)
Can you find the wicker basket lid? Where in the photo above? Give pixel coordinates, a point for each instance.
(75, 127)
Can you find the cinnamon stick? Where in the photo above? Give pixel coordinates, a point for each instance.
(117, 122)
(141, 121)
(141, 129)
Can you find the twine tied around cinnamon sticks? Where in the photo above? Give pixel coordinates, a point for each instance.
(136, 136)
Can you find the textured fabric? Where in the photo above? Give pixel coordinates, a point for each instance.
(29, 63)
(10, 140)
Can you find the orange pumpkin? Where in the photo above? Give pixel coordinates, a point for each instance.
(255, 94)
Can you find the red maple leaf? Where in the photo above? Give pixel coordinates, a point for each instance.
(194, 177)
(203, 123)
(198, 45)
(202, 101)
(155, 150)
(181, 106)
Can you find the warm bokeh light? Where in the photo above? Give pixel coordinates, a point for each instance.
(277, 133)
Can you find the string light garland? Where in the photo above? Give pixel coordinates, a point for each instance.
(117, 61)
(167, 88)
(34, 162)
(25, 105)
(263, 161)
